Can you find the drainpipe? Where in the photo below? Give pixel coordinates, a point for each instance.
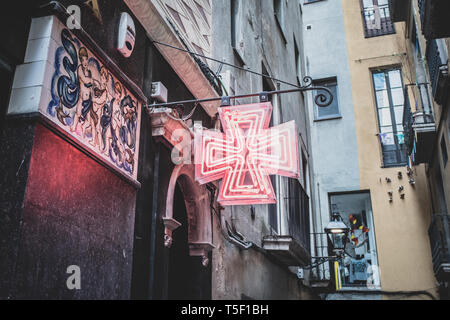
(154, 220)
(233, 236)
(236, 238)
(229, 233)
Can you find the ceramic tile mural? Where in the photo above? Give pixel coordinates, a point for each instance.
(92, 105)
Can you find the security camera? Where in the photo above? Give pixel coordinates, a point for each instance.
(127, 35)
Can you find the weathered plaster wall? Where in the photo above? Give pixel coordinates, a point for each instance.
(401, 227)
(259, 41)
(334, 146)
(248, 273)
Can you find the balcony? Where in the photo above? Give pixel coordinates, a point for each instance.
(320, 277)
(434, 17)
(439, 233)
(377, 21)
(438, 68)
(419, 126)
(294, 248)
(400, 10)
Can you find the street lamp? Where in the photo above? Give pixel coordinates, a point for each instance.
(337, 231)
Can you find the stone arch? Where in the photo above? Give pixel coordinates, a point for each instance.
(197, 202)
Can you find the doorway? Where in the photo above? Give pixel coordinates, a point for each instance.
(188, 279)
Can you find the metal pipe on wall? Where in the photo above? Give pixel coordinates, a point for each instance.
(154, 220)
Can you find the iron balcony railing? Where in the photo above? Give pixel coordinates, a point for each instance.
(400, 9)
(423, 115)
(434, 18)
(434, 63)
(438, 69)
(377, 21)
(439, 233)
(321, 249)
(408, 122)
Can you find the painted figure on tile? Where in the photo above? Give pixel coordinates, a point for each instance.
(106, 121)
(117, 149)
(92, 105)
(86, 83)
(101, 97)
(128, 130)
(68, 86)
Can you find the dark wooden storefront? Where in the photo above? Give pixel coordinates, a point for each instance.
(52, 217)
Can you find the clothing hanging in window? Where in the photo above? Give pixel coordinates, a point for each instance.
(358, 270)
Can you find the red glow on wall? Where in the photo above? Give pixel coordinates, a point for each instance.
(246, 154)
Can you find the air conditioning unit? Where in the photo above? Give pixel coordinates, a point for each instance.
(159, 92)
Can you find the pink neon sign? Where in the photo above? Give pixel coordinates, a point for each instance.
(246, 154)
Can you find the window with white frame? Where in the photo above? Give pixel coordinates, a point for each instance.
(359, 266)
(390, 100)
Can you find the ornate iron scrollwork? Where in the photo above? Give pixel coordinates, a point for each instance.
(324, 96)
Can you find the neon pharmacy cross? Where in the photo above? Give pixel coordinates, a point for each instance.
(246, 154)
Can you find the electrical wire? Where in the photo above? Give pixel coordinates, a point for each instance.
(226, 63)
(395, 293)
(56, 3)
(185, 118)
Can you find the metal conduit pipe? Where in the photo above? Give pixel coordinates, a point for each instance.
(225, 228)
(236, 238)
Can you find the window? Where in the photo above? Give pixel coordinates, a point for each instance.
(305, 170)
(278, 10)
(298, 213)
(444, 151)
(421, 73)
(377, 18)
(437, 60)
(273, 209)
(235, 32)
(298, 63)
(390, 101)
(274, 217)
(332, 111)
(279, 16)
(234, 13)
(359, 267)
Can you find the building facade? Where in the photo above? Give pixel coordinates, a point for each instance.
(427, 30)
(91, 194)
(99, 187)
(266, 37)
(362, 169)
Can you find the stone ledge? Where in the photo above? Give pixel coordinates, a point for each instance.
(287, 250)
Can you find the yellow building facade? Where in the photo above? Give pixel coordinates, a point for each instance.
(400, 225)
